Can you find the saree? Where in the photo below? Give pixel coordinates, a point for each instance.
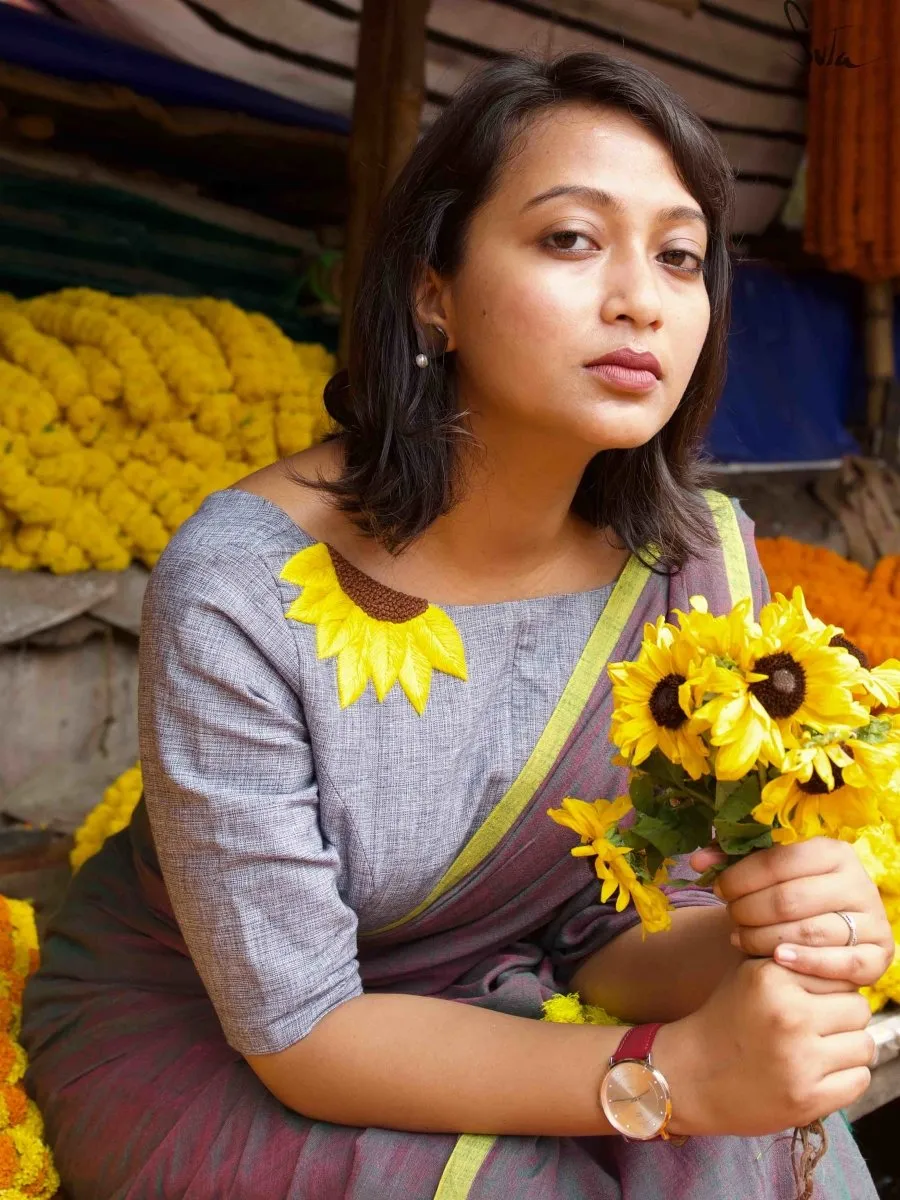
(143, 1097)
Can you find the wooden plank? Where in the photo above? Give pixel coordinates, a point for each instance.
(885, 1085)
(387, 109)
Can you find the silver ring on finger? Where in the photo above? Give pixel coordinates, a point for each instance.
(853, 939)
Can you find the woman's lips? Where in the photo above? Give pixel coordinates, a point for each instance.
(625, 379)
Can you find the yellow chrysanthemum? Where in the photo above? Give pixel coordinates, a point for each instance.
(651, 701)
(888, 986)
(879, 852)
(375, 632)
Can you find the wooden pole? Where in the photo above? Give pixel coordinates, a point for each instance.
(880, 369)
(387, 111)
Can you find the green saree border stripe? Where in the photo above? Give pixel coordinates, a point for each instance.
(734, 551)
(583, 680)
(463, 1165)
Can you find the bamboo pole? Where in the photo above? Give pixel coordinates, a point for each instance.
(387, 110)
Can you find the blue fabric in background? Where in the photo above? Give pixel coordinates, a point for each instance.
(795, 368)
(71, 52)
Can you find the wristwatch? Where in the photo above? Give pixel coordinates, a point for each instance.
(634, 1095)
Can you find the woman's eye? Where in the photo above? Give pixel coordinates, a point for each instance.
(680, 263)
(567, 241)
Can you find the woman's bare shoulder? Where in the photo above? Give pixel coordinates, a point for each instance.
(287, 483)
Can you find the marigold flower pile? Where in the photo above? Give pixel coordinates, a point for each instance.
(749, 733)
(26, 1166)
(118, 416)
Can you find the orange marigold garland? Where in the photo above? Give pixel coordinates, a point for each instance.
(865, 604)
(26, 1165)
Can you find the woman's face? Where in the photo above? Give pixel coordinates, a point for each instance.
(589, 245)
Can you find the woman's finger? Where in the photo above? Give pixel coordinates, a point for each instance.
(840, 1012)
(779, 864)
(827, 929)
(843, 1051)
(861, 965)
(794, 900)
(840, 1090)
(709, 856)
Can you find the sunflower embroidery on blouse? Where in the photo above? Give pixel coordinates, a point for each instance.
(375, 632)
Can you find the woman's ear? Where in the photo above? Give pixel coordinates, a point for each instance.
(434, 312)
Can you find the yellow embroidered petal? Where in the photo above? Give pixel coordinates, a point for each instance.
(387, 649)
(440, 642)
(308, 566)
(415, 677)
(352, 664)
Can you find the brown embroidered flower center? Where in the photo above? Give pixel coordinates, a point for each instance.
(785, 689)
(860, 655)
(375, 599)
(664, 707)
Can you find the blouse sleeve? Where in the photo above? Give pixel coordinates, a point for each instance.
(232, 799)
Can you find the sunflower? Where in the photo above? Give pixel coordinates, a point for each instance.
(595, 824)
(793, 675)
(590, 821)
(375, 632)
(823, 790)
(652, 697)
(881, 684)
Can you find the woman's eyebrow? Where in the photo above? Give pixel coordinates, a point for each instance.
(598, 198)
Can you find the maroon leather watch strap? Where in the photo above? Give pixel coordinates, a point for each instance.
(637, 1042)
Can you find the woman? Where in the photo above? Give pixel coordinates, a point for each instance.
(249, 993)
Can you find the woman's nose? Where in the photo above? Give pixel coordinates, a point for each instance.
(631, 293)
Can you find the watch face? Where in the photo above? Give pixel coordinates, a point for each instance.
(635, 1099)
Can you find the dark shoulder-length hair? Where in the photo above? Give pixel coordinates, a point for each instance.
(400, 424)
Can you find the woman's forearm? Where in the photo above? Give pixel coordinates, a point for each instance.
(423, 1064)
(665, 976)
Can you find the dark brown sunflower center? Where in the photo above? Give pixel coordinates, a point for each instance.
(664, 707)
(860, 655)
(374, 598)
(785, 689)
(816, 785)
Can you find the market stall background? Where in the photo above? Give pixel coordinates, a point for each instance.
(200, 149)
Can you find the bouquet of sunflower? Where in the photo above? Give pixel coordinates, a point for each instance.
(742, 733)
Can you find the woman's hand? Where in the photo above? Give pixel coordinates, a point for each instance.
(784, 903)
(765, 1052)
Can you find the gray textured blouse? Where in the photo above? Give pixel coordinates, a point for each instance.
(284, 822)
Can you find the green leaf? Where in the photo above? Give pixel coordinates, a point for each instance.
(654, 861)
(738, 838)
(665, 771)
(643, 794)
(735, 801)
(675, 830)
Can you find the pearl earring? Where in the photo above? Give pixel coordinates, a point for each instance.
(422, 360)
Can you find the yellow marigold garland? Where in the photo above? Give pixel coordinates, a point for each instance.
(119, 416)
(26, 1165)
(110, 816)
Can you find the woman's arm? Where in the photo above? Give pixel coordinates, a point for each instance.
(762, 1054)
(665, 976)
